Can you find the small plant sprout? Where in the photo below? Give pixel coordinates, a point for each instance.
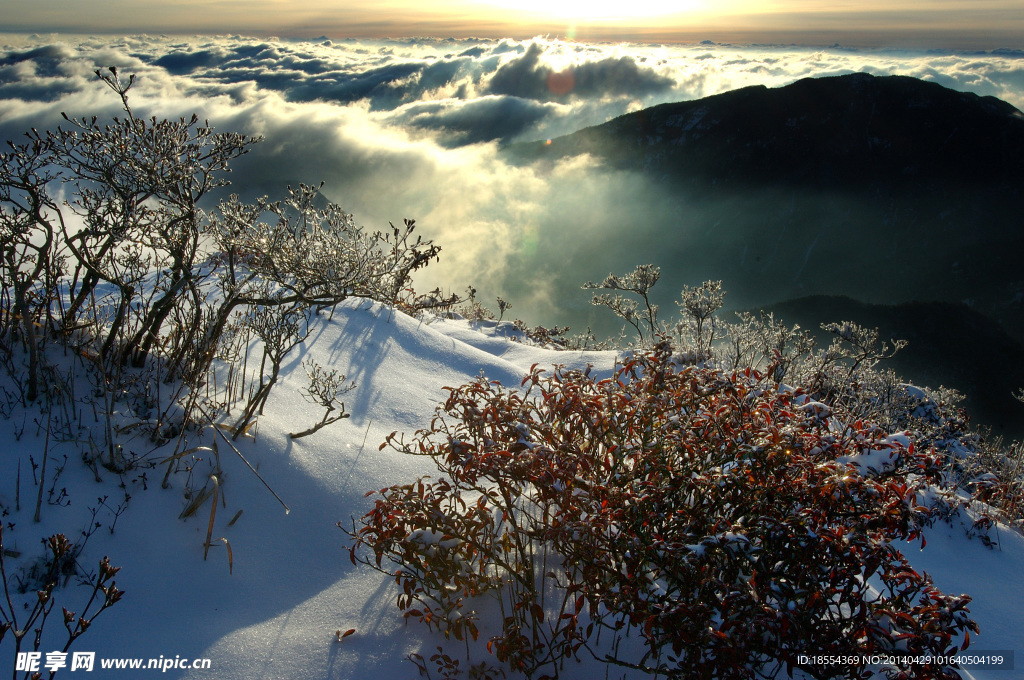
(503, 307)
(35, 614)
(325, 389)
(699, 305)
(471, 308)
(640, 281)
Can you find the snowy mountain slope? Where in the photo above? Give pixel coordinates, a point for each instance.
(993, 577)
(403, 365)
(292, 584)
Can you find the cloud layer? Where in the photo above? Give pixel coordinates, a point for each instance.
(411, 128)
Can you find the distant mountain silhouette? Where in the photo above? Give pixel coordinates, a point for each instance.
(948, 344)
(887, 189)
(852, 130)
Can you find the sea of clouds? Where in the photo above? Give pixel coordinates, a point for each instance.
(412, 128)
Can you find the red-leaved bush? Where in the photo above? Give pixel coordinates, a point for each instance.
(732, 532)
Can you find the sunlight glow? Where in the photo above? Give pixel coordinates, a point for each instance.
(985, 24)
(599, 10)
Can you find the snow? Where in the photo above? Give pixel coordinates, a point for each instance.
(993, 577)
(292, 585)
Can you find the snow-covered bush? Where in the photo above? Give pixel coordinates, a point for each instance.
(471, 308)
(844, 374)
(325, 390)
(639, 282)
(728, 525)
(134, 271)
(130, 302)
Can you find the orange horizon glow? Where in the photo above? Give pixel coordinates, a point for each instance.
(938, 23)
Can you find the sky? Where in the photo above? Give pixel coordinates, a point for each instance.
(959, 24)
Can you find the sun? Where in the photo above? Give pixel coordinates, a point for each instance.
(600, 10)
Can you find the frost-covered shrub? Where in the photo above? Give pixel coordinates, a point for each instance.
(136, 184)
(325, 390)
(842, 374)
(992, 479)
(128, 294)
(699, 323)
(639, 282)
(133, 270)
(728, 526)
(472, 309)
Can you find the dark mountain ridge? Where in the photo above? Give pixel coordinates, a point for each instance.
(884, 189)
(816, 132)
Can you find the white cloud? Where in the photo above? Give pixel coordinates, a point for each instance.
(387, 125)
